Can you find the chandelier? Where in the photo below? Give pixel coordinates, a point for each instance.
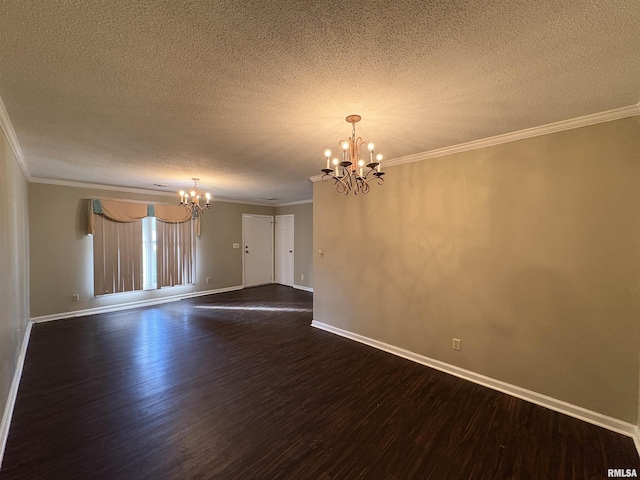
(348, 175)
(191, 199)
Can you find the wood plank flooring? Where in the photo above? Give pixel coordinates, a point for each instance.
(238, 386)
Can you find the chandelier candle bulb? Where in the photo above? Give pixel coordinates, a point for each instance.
(196, 194)
(371, 146)
(349, 175)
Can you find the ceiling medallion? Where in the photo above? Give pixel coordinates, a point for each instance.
(348, 175)
(191, 199)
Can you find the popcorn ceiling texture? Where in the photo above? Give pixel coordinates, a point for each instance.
(247, 94)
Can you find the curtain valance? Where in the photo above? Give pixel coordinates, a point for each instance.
(131, 212)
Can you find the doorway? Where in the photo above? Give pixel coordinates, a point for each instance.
(257, 257)
(284, 249)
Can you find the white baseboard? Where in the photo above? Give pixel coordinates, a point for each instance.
(580, 413)
(129, 305)
(13, 392)
(301, 287)
(212, 292)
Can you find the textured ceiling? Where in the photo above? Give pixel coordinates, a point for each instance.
(247, 94)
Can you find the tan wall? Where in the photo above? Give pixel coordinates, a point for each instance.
(62, 253)
(303, 241)
(14, 265)
(528, 251)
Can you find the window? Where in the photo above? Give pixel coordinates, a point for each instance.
(149, 253)
(140, 247)
(167, 253)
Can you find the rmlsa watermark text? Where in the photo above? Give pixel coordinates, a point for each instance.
(622, 473)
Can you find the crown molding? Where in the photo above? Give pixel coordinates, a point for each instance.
(260, 204)
(242, 202)
(140, 191)
(99, 186)
(288, 204)
(584, 121)
(9, 132)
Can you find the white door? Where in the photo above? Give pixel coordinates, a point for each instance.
(284, 249)
(257, 237)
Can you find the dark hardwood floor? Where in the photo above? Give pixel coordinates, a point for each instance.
(239, 386)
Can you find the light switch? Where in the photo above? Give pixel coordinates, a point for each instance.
(236, 245)
(321, 253)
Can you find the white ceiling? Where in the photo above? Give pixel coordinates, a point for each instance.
(247, 94)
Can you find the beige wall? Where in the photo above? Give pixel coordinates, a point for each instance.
(62, 253)
(528, 252)
(303, 241)
(14, 265)
(223, 262)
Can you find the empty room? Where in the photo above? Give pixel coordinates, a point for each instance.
(319, 240)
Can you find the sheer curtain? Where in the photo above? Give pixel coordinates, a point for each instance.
(117, 259)
(176, 253)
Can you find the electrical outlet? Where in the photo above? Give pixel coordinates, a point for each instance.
(301, 277)
(208, 279)
(75, 297)
(456, 344)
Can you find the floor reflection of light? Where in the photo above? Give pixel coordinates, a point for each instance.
(259, 309)
(152, 354)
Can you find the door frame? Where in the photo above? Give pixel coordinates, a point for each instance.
(244, 215)
(275, 251)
